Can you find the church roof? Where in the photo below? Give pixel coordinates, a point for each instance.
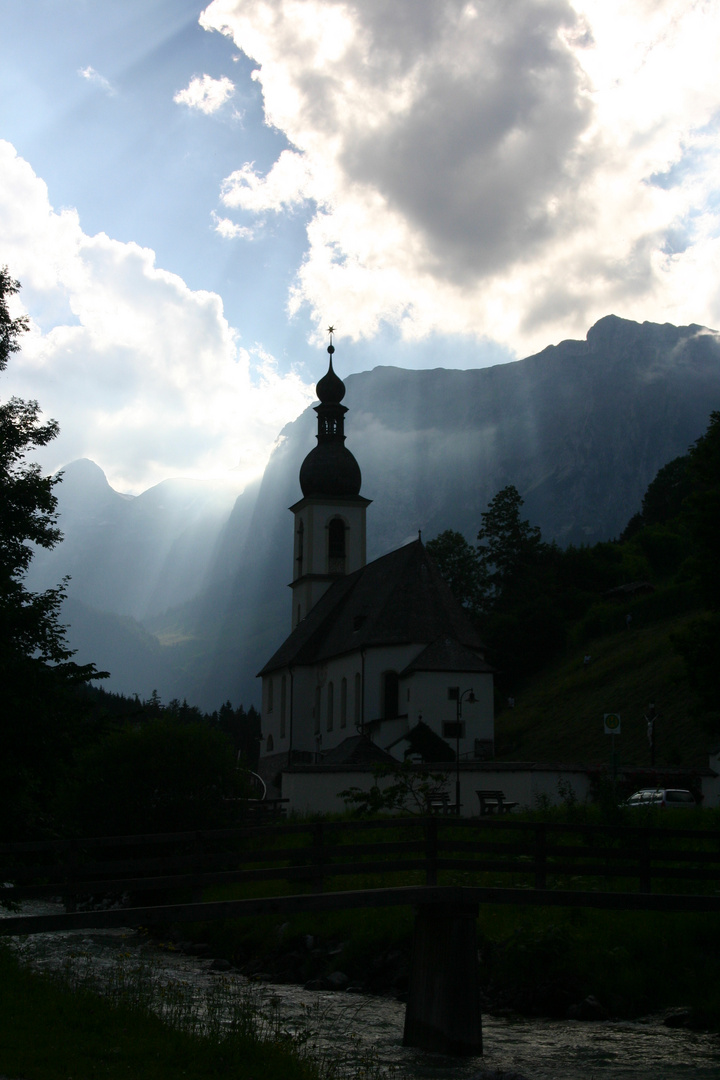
(398, 599)
(357, 750)
(447, 654)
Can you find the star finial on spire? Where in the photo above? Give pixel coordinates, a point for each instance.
(331, 348)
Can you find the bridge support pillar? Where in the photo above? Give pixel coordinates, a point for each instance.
(443, 1007)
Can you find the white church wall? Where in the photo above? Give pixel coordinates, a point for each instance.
(312, 730)
(317, 792)
(379, 660)
(314, 789)
(429, 697)
(330, 675)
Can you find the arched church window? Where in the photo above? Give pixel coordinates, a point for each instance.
(316, 710)
(336, 546)
(343, 703)
(270, 744)
(357, 710)
(330, 706)
(283, 705)
(300, 549)
(390, 689)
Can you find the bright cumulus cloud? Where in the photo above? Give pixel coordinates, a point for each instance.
(97, 79)
(513, 171)
(140, 370)
(205, 93)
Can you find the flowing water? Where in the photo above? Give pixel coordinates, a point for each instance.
(362, 1036)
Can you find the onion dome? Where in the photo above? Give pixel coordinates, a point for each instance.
(330, 470)
(331, 389)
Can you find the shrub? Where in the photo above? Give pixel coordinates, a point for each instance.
(160, 776)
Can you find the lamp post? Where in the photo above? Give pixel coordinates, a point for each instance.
(456, 730)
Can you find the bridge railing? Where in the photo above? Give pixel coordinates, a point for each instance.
(320, 855)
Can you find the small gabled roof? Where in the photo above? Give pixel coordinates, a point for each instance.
(447, 654)
(357, 750)
(398, 599)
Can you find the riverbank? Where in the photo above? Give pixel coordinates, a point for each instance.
(55, 1025)
(357, 1037)
(561, 964)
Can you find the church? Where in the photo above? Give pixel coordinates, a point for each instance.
(381, 663)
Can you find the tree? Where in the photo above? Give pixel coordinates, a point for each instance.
(402, 787)
(28, 622)
(702, 510)
(508, 547)
(10, 329)
(699, 642)
(37, 673)
(158, 776)
(509, 583)
(458, 563)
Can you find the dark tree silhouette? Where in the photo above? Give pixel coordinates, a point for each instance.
(458, 563)
(508, 547)
(37, 673)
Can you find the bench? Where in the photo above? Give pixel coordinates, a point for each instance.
(439, 803)
(494, 802)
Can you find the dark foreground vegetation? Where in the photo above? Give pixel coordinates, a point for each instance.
(52, 1031)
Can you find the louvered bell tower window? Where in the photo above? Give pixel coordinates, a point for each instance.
(336, 546)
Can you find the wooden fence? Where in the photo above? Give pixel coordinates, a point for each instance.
(496, 856)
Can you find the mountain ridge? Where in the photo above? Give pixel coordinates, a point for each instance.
(580, 429)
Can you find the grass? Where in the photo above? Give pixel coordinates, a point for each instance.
(53, 1030)
(558, 716)
(635, 963)
(536, 960)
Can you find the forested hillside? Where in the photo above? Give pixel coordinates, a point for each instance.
(630, 626)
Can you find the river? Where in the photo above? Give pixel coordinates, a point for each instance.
(363, 1035)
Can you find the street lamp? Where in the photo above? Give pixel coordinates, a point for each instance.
(456, 730)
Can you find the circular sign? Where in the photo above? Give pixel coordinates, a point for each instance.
(612, 722)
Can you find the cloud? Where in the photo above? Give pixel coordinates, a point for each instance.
(205, 93)
(145, 375)
(490, 168)
(289, 183)
(97, 79)
(230, 230)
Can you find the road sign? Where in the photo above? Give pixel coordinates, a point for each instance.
(612, 723)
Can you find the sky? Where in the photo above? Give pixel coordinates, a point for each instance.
(191, 194)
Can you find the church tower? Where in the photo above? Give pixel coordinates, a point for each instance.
(330, 518)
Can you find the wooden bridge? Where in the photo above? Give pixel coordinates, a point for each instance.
(444, 868)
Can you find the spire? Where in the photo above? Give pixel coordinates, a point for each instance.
(330, 389)
(330, 470)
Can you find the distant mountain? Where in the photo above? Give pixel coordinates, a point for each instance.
(134, 555)
(134, 558)
(580, 429)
